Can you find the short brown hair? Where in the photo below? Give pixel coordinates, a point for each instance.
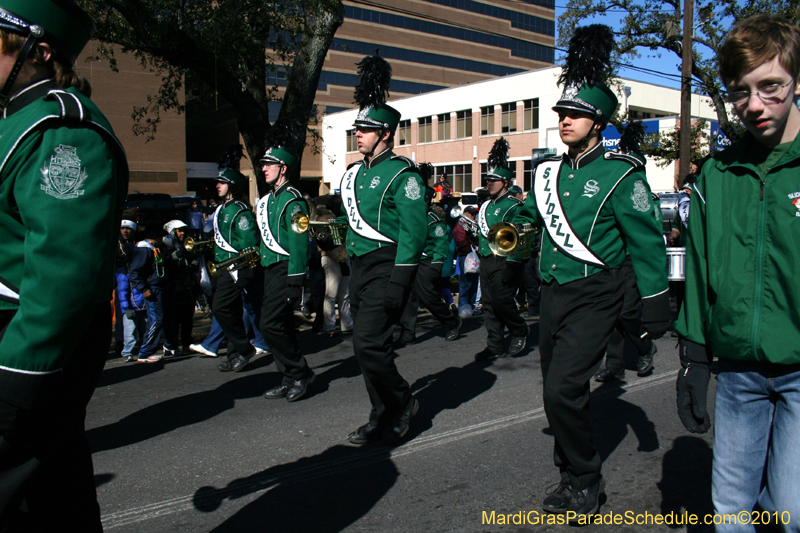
(755, 41)
(62, 69)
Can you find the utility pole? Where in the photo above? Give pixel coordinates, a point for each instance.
(686, 91)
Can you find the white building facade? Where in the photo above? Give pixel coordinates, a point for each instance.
(455, 128)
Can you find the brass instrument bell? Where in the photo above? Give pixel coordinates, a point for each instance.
(248, 258)
(190, 245)
(505, 240)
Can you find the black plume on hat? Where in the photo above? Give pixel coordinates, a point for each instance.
(498, 155)
(375, 76)
(231, 157)
(589, 56)
(425, 171)
(632, 136)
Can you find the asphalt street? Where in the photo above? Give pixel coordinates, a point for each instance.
(181, 447)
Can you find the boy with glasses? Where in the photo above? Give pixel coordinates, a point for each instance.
(742, 295)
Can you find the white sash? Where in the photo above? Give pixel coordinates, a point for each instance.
(482, 224)
(266, 232)
(548, 202)
(218, 238)
(354, 218)
(8, 294)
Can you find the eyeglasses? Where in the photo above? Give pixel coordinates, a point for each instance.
(769, 94)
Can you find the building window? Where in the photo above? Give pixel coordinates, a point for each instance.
(484, 171)
(425, 132)
(530, 114)
(352, 143)
(527, 175)
(487, 120)
(509, 117)
(444, 126)
(404, 132)
(464, 124)
(459, 176)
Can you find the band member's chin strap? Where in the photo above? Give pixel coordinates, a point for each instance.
(36, 33)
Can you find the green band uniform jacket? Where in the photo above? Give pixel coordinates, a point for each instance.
(600, 202)
(234, 229)
(274, 213)
(501, 209)
(743, 256)
(438, 244)
(382, 200)
(63, 181)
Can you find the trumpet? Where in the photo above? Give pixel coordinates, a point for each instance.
(248, 258)
(319, 229)
(191, 245)
(505, 239)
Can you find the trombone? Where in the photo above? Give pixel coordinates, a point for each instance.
(319, 229)
(191, 245)
(248, 258)
(505, 239)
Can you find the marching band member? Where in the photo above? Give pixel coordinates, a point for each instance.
(499, 275)
(382, 198)
(234, 232)
(284, 255)
(594, 207)
(426, 288)
(63, 181)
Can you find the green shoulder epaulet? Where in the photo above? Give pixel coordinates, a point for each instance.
(434, 218)
(631, 159)
(410, 162)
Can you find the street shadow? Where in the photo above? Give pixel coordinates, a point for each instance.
(612, 417)
(324, 493)
(448, 389)
(113, 375)
(172, 414)
(686, 481)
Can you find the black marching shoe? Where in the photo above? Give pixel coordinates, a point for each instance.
(606, 375)
(644, 366)
(299, 388)
(398, 427)
(517, 344)
(487, 354)
(567, 499)
(277, 392)
(365, 434)
(452, 334)
(236, 364)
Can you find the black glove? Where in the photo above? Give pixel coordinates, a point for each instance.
(294, 293)
(129, 313)
(394, 300)
(692, 387)
(656, 315)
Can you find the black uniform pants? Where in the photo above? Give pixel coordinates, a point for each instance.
(372, 335)
(576, 323)
(629, 324)
(228, 310)
(499, 308)
(277, 325)
(427, 291)
(45, 460)
(532, 280)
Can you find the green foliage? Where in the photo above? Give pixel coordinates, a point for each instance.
(664, 147)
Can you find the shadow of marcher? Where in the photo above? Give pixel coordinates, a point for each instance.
(323, 493)
(611, 418)
(448, 389)
(330, 491)
(171, 414)
(686, 481)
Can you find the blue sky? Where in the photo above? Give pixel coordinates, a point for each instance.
(668, 63)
